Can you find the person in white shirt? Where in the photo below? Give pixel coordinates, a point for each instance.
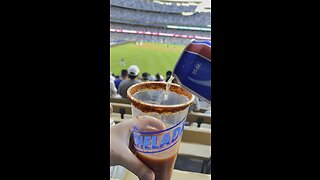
(113, 89)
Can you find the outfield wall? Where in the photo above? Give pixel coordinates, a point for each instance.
(113, 44)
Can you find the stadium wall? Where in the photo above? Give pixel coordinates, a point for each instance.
(114, 44)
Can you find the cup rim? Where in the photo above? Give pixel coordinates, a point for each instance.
(161, 109)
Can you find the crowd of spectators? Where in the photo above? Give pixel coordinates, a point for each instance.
(148, 38)
(202, 19)
(150, 6)
(120, 84)
(136, 23)
(161, 30)
(133, 14)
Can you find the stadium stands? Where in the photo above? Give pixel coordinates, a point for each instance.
(147, 38)
(152, 18)
(140, 15)
(150, 6)
(159, 29)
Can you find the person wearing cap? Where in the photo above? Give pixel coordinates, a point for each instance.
(133, 72)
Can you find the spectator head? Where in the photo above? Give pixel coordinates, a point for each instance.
(124, 74)
(158, 77)
(168, 74)
(145, 76)
(133, 71)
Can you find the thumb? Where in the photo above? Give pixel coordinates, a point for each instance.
(133, 164)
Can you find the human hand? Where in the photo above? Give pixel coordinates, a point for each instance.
(120, 153)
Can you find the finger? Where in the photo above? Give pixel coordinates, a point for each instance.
(123, 130)
(133, 164)
(144, 121)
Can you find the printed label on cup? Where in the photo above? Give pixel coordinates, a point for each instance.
(155, 142)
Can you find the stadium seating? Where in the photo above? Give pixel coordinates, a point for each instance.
(202, 109)
(148, 38)
(119, 100)
(193, 117)
(159, 29)
(152, 18)
(141, 15)
(198, 118)
(197, 135)
(121, 108)
(196, 151)
(149, 6)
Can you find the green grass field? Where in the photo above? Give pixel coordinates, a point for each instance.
(149, 57)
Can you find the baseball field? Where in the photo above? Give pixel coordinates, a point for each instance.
(149, 57)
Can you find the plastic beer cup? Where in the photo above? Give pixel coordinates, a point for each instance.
(158, 124)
